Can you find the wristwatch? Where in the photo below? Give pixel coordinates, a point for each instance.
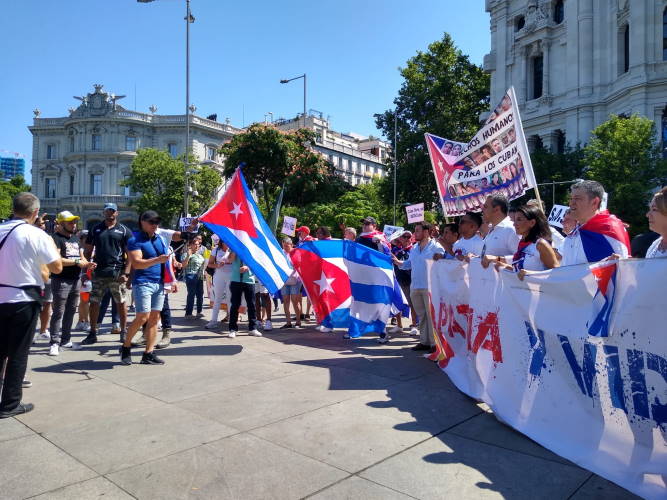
(77, 262)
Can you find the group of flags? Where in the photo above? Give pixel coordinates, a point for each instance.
(350, 285)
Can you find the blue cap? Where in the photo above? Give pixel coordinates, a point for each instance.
(111, 206)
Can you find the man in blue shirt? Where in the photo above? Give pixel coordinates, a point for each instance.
(148, 255)
(424, 250)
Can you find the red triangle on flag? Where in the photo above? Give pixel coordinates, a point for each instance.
(232, 210)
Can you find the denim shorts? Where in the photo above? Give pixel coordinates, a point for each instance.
(148, 297)
(291, 290)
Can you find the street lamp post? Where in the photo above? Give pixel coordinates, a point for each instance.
(189, 18)
(304, 94)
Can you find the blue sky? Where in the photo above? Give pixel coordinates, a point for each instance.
(350, 51)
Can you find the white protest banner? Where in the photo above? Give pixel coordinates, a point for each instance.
(415, 213)
(184, 224)
(390, 230)
(556, 215)
(523, 348)
(496, 160)
(289, 225)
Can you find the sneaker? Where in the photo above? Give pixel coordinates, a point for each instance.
(68, 345)
(395, 329)
(200, 315)
(324, 329)
(54, 350)
(268, 326)
(89, 340)
(19, 410)
(255, 333)
(75, 346)
(259, 325)
(346, 336)
(189, 316)
(383, 340)
(26, 384)
(125, 355)
(286, 325)
(212, 325)
(414, 331)
(115, 328)
(149, 358)
(81, 325)
(231, 334)
(46, 335)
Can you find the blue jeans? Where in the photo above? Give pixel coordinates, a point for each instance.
(104, 305)
(148, 297)
(195, 290)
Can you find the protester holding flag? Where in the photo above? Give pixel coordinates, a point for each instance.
(501, 241)
(657, 221)
(372, 238)
(242, 284)
(303, 233)
(425, 249)
(148, 255)
(291, 291)
(598, 234)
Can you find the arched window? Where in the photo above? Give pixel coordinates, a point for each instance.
(664, 34)
(519, 23)
(537, 74)
(559, 12)
(626, 48)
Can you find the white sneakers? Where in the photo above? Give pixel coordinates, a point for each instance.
(414, 331)
(231, 334)
(255, 333)
(46, 335)
(54, 350)
(395, 329)
(212, 325)
(268, 326)
(324, 329)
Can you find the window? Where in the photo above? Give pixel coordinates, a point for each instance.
(51, 151)
(171, 147)
(130, 143)
(560, 142)
(126, 189)
(664, 34)
(559, 12)
(331, 159)
(50, 187)
(96, 142)
(210, 153)
(626, 48)
(71, 144)
(71, 185)
(519, 23)
(537, 70)
(95, 183)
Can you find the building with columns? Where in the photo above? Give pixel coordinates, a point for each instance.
(79, 161)
(575, 62)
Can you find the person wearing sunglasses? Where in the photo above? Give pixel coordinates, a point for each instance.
(148, 253)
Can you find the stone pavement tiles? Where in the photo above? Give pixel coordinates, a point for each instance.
(294, 414)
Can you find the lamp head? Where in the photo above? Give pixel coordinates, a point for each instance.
(284, 81)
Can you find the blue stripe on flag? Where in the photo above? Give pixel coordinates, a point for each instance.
(326, 249)
(354, 252)
(338, 318)
(372, 294)
(358, 328)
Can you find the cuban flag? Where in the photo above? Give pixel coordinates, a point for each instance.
(603, 235)
(238, 222)
(350, 285)
(603, 300)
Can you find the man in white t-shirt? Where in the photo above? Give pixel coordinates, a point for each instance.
(501, 241)
(27, 255)
(470, 242)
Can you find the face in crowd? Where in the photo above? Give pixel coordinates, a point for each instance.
(582, 205)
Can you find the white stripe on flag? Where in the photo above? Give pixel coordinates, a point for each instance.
(369, 275)
(262, 258)
(368, 313)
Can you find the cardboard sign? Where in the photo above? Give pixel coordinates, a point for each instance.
(556, 215)
(415, 213)
(184, 224)
(390, 231)
(289, 225)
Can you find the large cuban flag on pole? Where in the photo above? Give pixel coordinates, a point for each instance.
(238, 222)
(350, 285)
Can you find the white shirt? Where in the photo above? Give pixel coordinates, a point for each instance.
(531, 258)
(502, 239)
(654, 252)
(557, 239)
(222, 256)
(21, 257)
(166, 235)
(472, 245)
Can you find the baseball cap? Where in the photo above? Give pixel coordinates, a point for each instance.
(111, 206)
(66, 216)
(369, 220)
(305, 229)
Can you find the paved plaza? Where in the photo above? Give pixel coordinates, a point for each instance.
(295, 414)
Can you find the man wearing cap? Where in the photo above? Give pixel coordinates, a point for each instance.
(303, 233)
(66, 285)
(109, 241)
(148, 254)
(372, 238)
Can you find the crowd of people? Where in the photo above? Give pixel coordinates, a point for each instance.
(51, 277)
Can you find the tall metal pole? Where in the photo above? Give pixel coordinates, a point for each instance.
(187, 106)
(395, 158)
(304, 100)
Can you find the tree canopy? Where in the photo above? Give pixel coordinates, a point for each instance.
(9, 189)
(624, 155)
(159, 180)
(443, 93)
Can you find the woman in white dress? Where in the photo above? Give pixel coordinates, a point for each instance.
(657, 221)
(219, 260)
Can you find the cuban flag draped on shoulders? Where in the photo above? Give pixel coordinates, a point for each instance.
(598, 238)
(238, 222)
(350, 285)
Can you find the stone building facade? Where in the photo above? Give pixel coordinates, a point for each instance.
(575, 62)
(79, 160)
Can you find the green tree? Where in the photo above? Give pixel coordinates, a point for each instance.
(273, 158)
(443, 93)
(624, 155)
(159, 180)
(9, 189)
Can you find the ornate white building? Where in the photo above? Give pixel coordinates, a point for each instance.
(575, 62)
(79, 160)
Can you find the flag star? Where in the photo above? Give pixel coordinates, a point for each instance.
(440, 163)
(325, 283)
(237, 210)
